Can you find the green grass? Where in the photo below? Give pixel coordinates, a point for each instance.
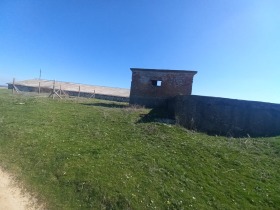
(93, 154)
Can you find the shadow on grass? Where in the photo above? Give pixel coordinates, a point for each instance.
(159, 114)
(107, 105)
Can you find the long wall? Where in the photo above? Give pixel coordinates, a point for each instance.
(230, 117)
(72, 93)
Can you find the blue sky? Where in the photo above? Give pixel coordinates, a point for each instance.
(233, 44)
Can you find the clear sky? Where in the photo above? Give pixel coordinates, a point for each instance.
(233, 44)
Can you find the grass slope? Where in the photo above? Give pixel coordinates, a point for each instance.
(93, 154)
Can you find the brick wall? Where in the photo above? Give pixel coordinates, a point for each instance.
(151, 87)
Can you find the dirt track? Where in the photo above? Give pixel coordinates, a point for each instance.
(10, 195)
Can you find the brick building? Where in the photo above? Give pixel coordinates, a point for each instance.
(151, 87)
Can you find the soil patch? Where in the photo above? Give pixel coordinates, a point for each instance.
(11, 196)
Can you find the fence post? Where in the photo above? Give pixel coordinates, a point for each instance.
(39, 89)
(79, 91)
(13, 85)
(53, 89)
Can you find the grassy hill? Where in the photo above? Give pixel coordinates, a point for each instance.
(93, 154)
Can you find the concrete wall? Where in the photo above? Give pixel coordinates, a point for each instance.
(98, 96)
(145, 92)
(30, 89)
(71, 93)
(221, 116)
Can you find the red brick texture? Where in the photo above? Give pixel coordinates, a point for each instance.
(172, 83)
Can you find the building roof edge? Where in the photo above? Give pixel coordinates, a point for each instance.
(163, 70)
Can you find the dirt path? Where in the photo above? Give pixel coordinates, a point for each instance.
(10, 195)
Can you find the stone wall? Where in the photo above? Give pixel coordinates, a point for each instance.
(151, 87)
(230, 117)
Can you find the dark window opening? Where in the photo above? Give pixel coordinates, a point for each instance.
(156, 83)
